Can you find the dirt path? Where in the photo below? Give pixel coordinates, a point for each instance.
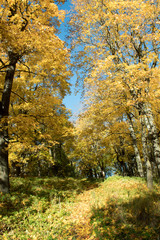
(81, 213)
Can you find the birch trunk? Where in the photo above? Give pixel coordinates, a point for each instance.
(146, 155)
(150, 124)
(135, 146)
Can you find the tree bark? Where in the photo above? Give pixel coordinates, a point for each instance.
(135, 146)
(150, 124)
(4, 112)
(146, 155)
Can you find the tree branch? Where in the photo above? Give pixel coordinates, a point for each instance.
(1, 90)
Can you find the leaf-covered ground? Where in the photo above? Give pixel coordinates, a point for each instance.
(69, 209)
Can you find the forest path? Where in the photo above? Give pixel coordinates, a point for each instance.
(81, 211)
(102, 212)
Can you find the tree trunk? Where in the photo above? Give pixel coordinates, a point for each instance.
(4, 111)
(146, 155)
(150, 124)
(95, 173)
(15, 169)
(4, 169)
(90, 173)
(135, 146)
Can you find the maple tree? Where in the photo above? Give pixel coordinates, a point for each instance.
(32, 55)
(36, 125)
(118, 59)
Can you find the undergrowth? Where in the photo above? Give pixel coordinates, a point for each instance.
(69, 209)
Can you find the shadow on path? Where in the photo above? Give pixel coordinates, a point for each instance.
(137, 219)
(25, 191)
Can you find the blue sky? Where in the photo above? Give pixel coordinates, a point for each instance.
(72, 101)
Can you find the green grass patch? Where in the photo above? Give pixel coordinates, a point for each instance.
(37, 207)
(130, 212)
(74, 209)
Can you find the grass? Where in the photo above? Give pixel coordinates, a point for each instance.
(71, 209)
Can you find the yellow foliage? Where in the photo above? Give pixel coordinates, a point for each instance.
(120, 42)
(38, 119)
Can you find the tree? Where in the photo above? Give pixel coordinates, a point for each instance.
(90, 145)
(30, 49)
(118, 45)
(35, 127)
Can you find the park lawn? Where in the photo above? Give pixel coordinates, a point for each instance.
(120, 208)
